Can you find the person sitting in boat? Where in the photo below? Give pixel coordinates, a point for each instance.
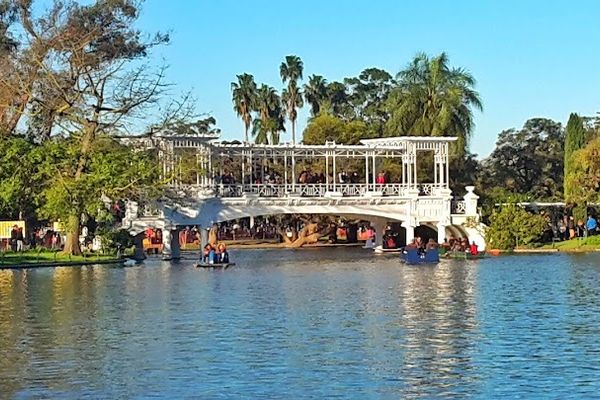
(473, 249)
(222, 254)
(206, 253)
(431, 244)
(446, 245)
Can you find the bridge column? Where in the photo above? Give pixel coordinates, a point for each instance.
(171, 247)
(441, 232)
(203, 238)
(379, 224)
(138, 241)
(410, 231)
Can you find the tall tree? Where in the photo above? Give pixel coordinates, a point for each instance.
(244, 97)
(528, 161)
(433, 99)
(315, 93)
(82, 67)
(291, 72)
(270, 116)
(575, 135)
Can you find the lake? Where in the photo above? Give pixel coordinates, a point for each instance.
(312, 323)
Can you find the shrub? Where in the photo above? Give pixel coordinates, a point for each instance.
(511, 225)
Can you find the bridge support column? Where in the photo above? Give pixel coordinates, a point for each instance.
(138, 241)
(203, 238)
(441, 232)
(251, 222)
(410, 232)
(171, 247)
(379, 224)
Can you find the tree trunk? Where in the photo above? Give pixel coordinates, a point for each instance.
(310, 234)
(72, 240)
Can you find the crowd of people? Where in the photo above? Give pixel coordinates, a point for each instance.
(566, 228)
(46, 238)
(460, 245)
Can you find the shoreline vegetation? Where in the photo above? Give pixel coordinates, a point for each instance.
(45, 257)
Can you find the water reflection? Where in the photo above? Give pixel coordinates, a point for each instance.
(304, 324)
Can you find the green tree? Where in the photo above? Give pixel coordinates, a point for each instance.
(244, 98)
(82, 67)
(528, 161)
(326, 127)
(113, 171)
(584, 176)
(291, 72)
(575, 134)
(19, 183)
(315, 92)
(511, 225)
(433, 99)
(270, 120)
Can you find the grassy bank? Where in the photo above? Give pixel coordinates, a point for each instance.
(574, 245)
(47, 256)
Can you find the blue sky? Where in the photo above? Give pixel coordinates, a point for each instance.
(531, 58)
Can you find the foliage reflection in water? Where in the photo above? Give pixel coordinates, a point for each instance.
(302, 324)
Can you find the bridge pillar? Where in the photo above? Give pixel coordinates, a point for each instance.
(379, 224)
(203, 238)
(171, 247)
(251, 222)
(410, 231)
(138, 241)
(441, 232)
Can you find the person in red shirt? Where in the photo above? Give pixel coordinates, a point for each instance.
(474, 250)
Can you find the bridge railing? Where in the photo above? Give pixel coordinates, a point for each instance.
(321, 189)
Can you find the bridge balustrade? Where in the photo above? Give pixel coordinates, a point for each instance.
(320, 189)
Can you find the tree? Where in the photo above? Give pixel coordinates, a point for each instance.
(291, 71)
(315, 93)
(270, 119)
(511, 225)
(326, 127)
(19, 183)
(367, 95)
(113, 172)
(81, 66)
(433, 99)
(584, 177)
(244, 98)
(575, 135)
(528, 161)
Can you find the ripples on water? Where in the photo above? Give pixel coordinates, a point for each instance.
(328, 323)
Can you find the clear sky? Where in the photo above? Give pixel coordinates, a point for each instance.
(531, 58)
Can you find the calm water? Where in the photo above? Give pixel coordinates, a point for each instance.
(305, 324)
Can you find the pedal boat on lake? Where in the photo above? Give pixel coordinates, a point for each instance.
(414, 257)
(218, 265)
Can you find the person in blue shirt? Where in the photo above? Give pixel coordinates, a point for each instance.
(591, 225)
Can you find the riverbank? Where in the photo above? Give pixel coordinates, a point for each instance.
(47, 258)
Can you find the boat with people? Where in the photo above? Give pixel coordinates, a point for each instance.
(215, 266)
(215, 257)
(464, 255)
(415, 256)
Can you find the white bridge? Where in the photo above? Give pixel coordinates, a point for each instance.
(215, 181)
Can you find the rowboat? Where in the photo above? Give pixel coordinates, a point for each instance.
(463, 255)
(415, 257)
(221, 265)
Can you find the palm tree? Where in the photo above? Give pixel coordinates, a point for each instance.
(315, 93)
(433, 99)
(291, 72)
(269, 121)
(244, 96)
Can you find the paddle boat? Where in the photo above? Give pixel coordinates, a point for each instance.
(217, 265)
(464, 255)
(416, 257)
